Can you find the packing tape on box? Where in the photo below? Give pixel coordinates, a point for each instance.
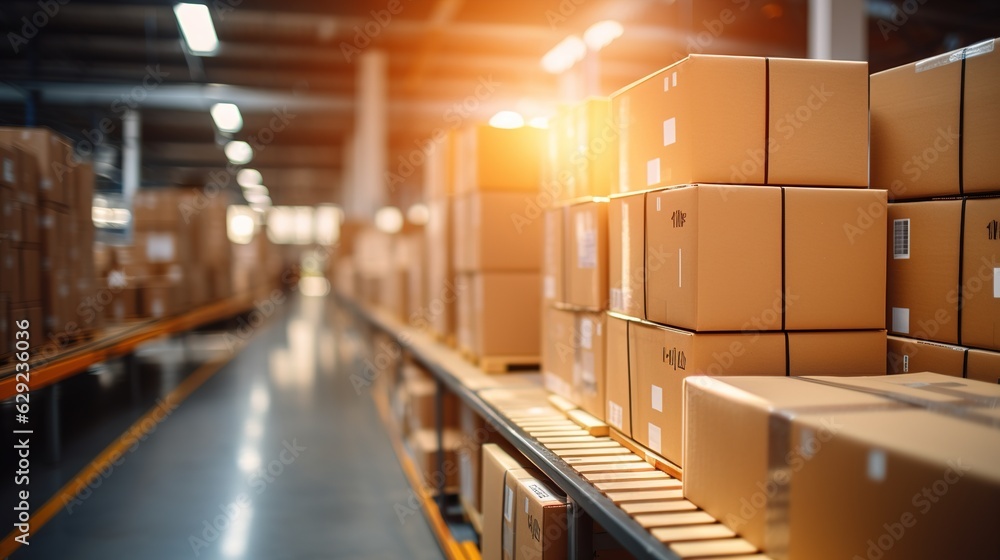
(965, 408)
(954, 56)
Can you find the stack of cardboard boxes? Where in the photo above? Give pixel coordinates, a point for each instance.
(496, 245)
(575, 253)
(45, 251)
(935, 126)
(441, 288)
(764, 254)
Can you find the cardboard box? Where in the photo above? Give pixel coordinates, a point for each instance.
(441, 296)
(589, 362)
(496, 464)
(124, 306)
(423, 448)
(498, 233)
(892, 471)
(922, 273)
(980, 309)
(839, 353)
(506, 309)
(592, 148)
(554, 256)
(52, 157)
(723, 265)
(498, 159)
(476, 433)
(12, 229)
(420, 405)
(439, 170)
(30, 264)
(835, 258)
(587, 255)
(29, 180)
(465, 313)
(983, 365)
(922, 126)
(943, 393)
(160, 298)
(31, 225)
(540, 521)
(618, 413)
(558, 351)
(158, 208)
(659, 360)
(908, 355)
(745, 120)
(627, 255)
(737, 460)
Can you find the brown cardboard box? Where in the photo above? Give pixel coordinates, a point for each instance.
(618, 414)
(496, 464)
(506, 314)
(423, 448)
(54, 233)
(461, 242)
(835, 259)
(496, 159)
(439, 170)
(441, 296)
(53, 157)
(908, 355)
(31, 225)
(124, 306)
(592, 148)
(981, 273)
(946, 394)
(922, 272)
(587, 255)
(903, 478)
(6, 338)
(501, 234)
(159, 208)
(540, 520)
(723, 266)
(159, 298)
(627, 255)
(731, 424)
(476, 434)
(841, 353)
(659, 360)
(28, 182)
(921, 126)
(12, 229)
(981, 118)
(554, 256)
(465, 335)
(10, 271)
(589, 381)
(983, 366)
(31, 275)
(510, 509)
(744, 120)
(420, 401)
(558, 351)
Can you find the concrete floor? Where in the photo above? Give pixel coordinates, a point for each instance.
(275, 456)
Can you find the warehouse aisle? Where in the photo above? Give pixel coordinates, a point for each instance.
(275, 456)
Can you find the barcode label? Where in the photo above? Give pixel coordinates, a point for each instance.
(617, 300)
(901, 239)
(8, 170)
(586, 333)
(549, 287)
(508, 504)
(586, 242)
(654, 437)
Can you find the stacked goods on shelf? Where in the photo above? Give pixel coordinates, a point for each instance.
(497, 244)
(441, 291)
(934, 129)
(414, 405)
(755, 247)
(372, 261)
(834, 467)
(476, 433)
(575, 254)
(402, 286)
(47, 234)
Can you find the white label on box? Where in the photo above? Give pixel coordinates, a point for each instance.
(159, 247)
(586, 333)
(617, 300)
(8, 170)
(526, 504)
(673, 78)
(906, 363)
(806, 444)
(666, 83)
(508, 504)
(539, 490)
(680, 269)
(615, 415)
(586, 242)
(549, 287)
(654, 437)
(901, 320)
(669, 131)
(996, 282)
(157, 308)
(876, 465)
(656, 395)
(901, 239)
(657, 203)
(652, 172)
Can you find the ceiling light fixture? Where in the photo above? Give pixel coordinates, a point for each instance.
(507, 119)
(197, 28)
(227, 117)
(238, 152)
(563, 56)
(602, 34)
(249, 177)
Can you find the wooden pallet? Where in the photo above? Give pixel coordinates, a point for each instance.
(504, 364)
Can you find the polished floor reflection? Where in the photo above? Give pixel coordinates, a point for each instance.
(275, 456)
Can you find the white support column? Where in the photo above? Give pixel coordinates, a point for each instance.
(131, 154)
(838, 29)
(368, 185)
